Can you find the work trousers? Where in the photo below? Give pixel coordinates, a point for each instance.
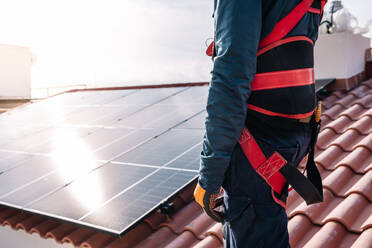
(253, 218)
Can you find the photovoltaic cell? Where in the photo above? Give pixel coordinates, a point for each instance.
(119, 214)
(190, 160)
(145, 117)
(147, 96)
(12, 161)
(192, 95)
(121, 145)
(101, 159)
(177, 116)
(25, 173)
(91, 191)
(196, 122)
(164, 148)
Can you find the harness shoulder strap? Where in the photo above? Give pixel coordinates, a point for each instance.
(284, 26)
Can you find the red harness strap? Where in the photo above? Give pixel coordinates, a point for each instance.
(282, 79)
(284, 26)
(271, 113)
(284, 41)
(269, 168)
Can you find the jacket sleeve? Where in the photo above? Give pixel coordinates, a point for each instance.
(237, 34)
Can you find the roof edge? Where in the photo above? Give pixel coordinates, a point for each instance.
(135, 87)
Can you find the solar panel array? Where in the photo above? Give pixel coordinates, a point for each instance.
(101, 159)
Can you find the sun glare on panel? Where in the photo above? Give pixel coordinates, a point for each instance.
(74, 159)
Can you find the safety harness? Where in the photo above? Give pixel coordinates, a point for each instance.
(281, 72)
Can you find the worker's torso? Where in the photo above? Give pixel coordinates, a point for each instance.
(295, 57)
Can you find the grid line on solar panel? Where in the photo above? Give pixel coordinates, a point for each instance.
(123, 145)
(136, 183)
(176, 117)
(45, 142)
(148, 96)
(192, 95)
(34, 172)
(156, 167)
(90, 191)
(149, 192)
(195, 122)
(163, 148)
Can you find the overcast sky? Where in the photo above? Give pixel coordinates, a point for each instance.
(117, 41)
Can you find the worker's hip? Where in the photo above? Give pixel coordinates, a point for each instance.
(250, 211)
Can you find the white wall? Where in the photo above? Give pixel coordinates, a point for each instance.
(340, 55)
(15, 78)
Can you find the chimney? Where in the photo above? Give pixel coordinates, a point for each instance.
(15, 72)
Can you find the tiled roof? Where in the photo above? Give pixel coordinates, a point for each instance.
(344, 219)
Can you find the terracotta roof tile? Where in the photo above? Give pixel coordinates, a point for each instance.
(344, 219)
(329, 158)
(364, 240)
(347, 141)
(161, 237)
(359, 160)
(343, 181)
(78, 236)
(15, 219)
(28, 223)
(98, 240)
(60, 231)
(301, 230)
(44, 227)
(339, 125)
(209, 242)
(332, 234)
(333, 111)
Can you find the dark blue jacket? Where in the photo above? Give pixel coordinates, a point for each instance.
(239, 27)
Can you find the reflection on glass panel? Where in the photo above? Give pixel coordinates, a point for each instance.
(131, 204)
(91, 191)
(72, 156)
(38, 113)
(103, 137)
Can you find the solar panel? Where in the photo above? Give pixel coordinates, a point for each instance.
(189, 160)
(132, 204)
(101, 159)
(196, 122)
(163, 149)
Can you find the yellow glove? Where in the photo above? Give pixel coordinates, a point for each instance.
(209, 201)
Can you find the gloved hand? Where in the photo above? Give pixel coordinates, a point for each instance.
(209, 201)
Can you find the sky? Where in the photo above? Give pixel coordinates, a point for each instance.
(118, 42)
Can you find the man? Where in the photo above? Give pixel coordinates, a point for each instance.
(260, 117)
